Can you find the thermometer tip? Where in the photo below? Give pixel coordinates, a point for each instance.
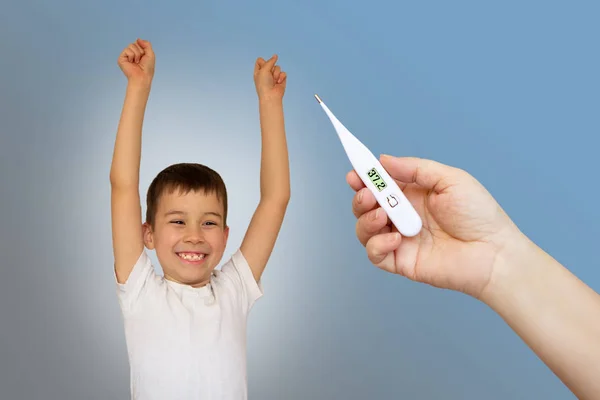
(318, 98)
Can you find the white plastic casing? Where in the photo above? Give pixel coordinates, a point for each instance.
(387, 193)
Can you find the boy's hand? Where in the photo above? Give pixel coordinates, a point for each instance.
(137, 62)
(270, 81)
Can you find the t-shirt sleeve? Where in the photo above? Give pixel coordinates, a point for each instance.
(141, 278)
(239, 275)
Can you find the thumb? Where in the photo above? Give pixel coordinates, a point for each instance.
(270, 64)
(146, 45)
(428, 174)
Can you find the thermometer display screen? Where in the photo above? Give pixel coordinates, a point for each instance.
(376, 179)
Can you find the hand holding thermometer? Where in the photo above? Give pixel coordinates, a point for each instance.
(371, 172)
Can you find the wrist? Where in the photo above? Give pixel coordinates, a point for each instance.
(139, 85)
(516, 270)
(270, 100)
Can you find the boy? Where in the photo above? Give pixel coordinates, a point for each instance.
(186, 331)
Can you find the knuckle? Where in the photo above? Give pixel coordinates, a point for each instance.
(358, 212)
(372, 258)
(372, 254)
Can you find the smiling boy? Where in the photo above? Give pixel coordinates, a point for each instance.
(186, 330)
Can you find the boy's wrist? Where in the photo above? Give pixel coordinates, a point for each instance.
(139, 85)
(269, 100)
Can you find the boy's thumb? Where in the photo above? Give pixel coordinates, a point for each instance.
(144, 44)
(269, 64)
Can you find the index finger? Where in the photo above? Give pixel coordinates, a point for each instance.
(354, 181)
(259, 63)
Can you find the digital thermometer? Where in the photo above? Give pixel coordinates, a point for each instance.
(371, 172)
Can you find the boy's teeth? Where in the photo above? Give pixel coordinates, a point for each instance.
(191, 256)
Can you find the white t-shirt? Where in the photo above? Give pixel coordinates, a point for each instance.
(188, 343)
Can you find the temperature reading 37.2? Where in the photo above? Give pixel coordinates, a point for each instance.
(376, 179)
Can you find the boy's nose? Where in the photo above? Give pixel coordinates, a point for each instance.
(194, 236)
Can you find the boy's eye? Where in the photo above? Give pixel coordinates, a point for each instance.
(210, 223)
(177, 222)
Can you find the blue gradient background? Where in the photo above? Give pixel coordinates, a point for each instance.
(506, 90)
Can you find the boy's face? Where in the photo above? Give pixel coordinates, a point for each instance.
(189, 236)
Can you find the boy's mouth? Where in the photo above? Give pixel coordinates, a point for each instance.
(192, 257)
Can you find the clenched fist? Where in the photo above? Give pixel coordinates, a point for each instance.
(269, 80)
(137, 62)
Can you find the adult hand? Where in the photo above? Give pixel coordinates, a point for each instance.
(464, 229)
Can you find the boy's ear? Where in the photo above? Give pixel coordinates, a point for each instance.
(148, 236)
(226, 233)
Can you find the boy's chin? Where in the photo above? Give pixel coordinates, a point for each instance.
(193, 274)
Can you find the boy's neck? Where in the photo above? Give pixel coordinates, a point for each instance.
(193, 284)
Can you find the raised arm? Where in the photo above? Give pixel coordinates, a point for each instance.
(266, 222)
(137, 63)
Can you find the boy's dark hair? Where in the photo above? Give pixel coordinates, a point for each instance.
(184, 177)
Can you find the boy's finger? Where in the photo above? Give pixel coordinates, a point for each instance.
(258, 64)
(140, 48)
(146, 46)
(138, 52)
(129, 55)
(282, 77)
(123, 54)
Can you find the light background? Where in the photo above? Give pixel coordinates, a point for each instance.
(507, 90)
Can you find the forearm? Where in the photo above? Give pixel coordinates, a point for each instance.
(556, 314)
(128, 145)
(274, 168)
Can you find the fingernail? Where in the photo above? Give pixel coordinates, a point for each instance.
(376, 214)
(395, 236)
(360, 196)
